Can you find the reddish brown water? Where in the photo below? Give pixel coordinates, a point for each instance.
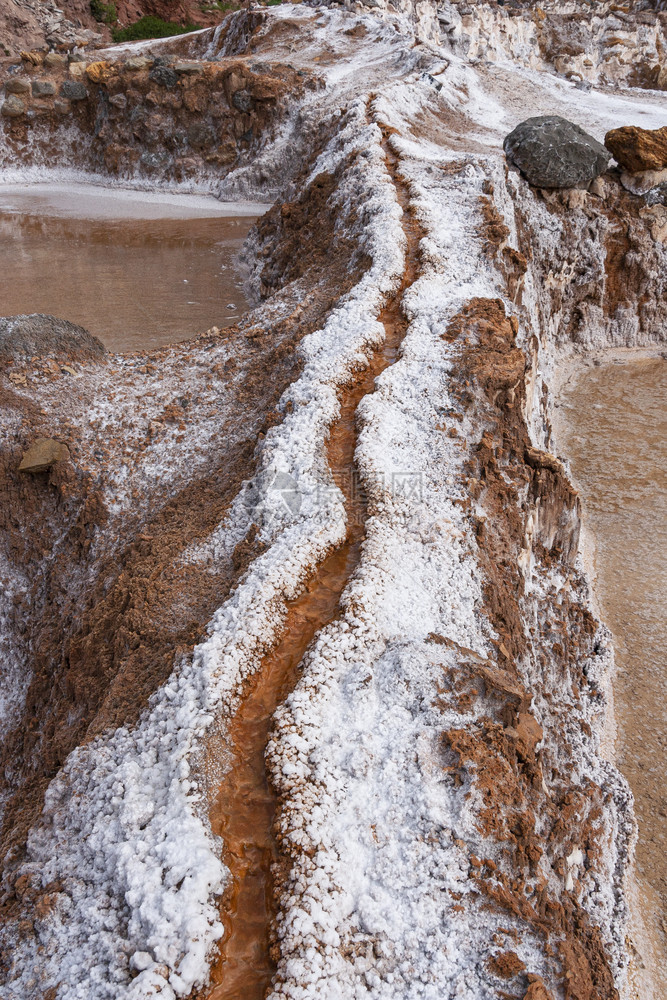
(136, 283)
(244, 809)
(615, 435)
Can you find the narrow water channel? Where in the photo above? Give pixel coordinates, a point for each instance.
(244, 811)
(613, 428)
(137, 270)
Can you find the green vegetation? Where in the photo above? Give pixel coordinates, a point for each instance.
(105, 13)
(150, 27)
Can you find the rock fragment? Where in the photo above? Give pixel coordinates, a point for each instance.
(552, 152)
(73, 90)
(17, 85)
(638, 149)
(242, 101)
(100, 72)
(188, 67)
(165, 76)
(43, 88)
(137, 63)
(13, 107)
(643, 181)
(43, 454)
(55, 59)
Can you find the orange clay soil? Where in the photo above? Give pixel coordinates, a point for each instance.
(244, 809)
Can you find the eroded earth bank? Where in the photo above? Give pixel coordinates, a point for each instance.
(303, 690)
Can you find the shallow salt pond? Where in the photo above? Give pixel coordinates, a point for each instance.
(612, 426)
(138, 270)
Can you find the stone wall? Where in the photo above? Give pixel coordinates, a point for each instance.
(159, 117)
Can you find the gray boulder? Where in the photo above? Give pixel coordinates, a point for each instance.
(38, 335)
(552, 152)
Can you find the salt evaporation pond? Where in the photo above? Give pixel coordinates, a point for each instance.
(138, 270)
(613, 429)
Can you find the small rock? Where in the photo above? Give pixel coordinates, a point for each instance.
(73, 90)
(77, 69)
(40, 108)
(642, 183)
(43, 88)
(599, 188)
(35, 58)
(242, 101)
(164, 76)
(657, 195)
(201, 136)
(154, 160)
(656, 216)
(99, 72)
(138, 63)
(44, 453)
(55, 59)
(18, 85)
(529, 730)
(188, 67)
(552, 152)
(118, 101)
(573, 197)
(638, 149)
(13, 107)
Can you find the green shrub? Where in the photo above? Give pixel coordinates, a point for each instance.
(103, 12)
(150, 27)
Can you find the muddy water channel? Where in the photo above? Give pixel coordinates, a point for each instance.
(613, 428)
(137, 270)
(245, 809)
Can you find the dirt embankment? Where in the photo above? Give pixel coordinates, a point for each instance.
(532, 806)
(602, 277)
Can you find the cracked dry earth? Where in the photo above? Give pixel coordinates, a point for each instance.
(303, 685)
